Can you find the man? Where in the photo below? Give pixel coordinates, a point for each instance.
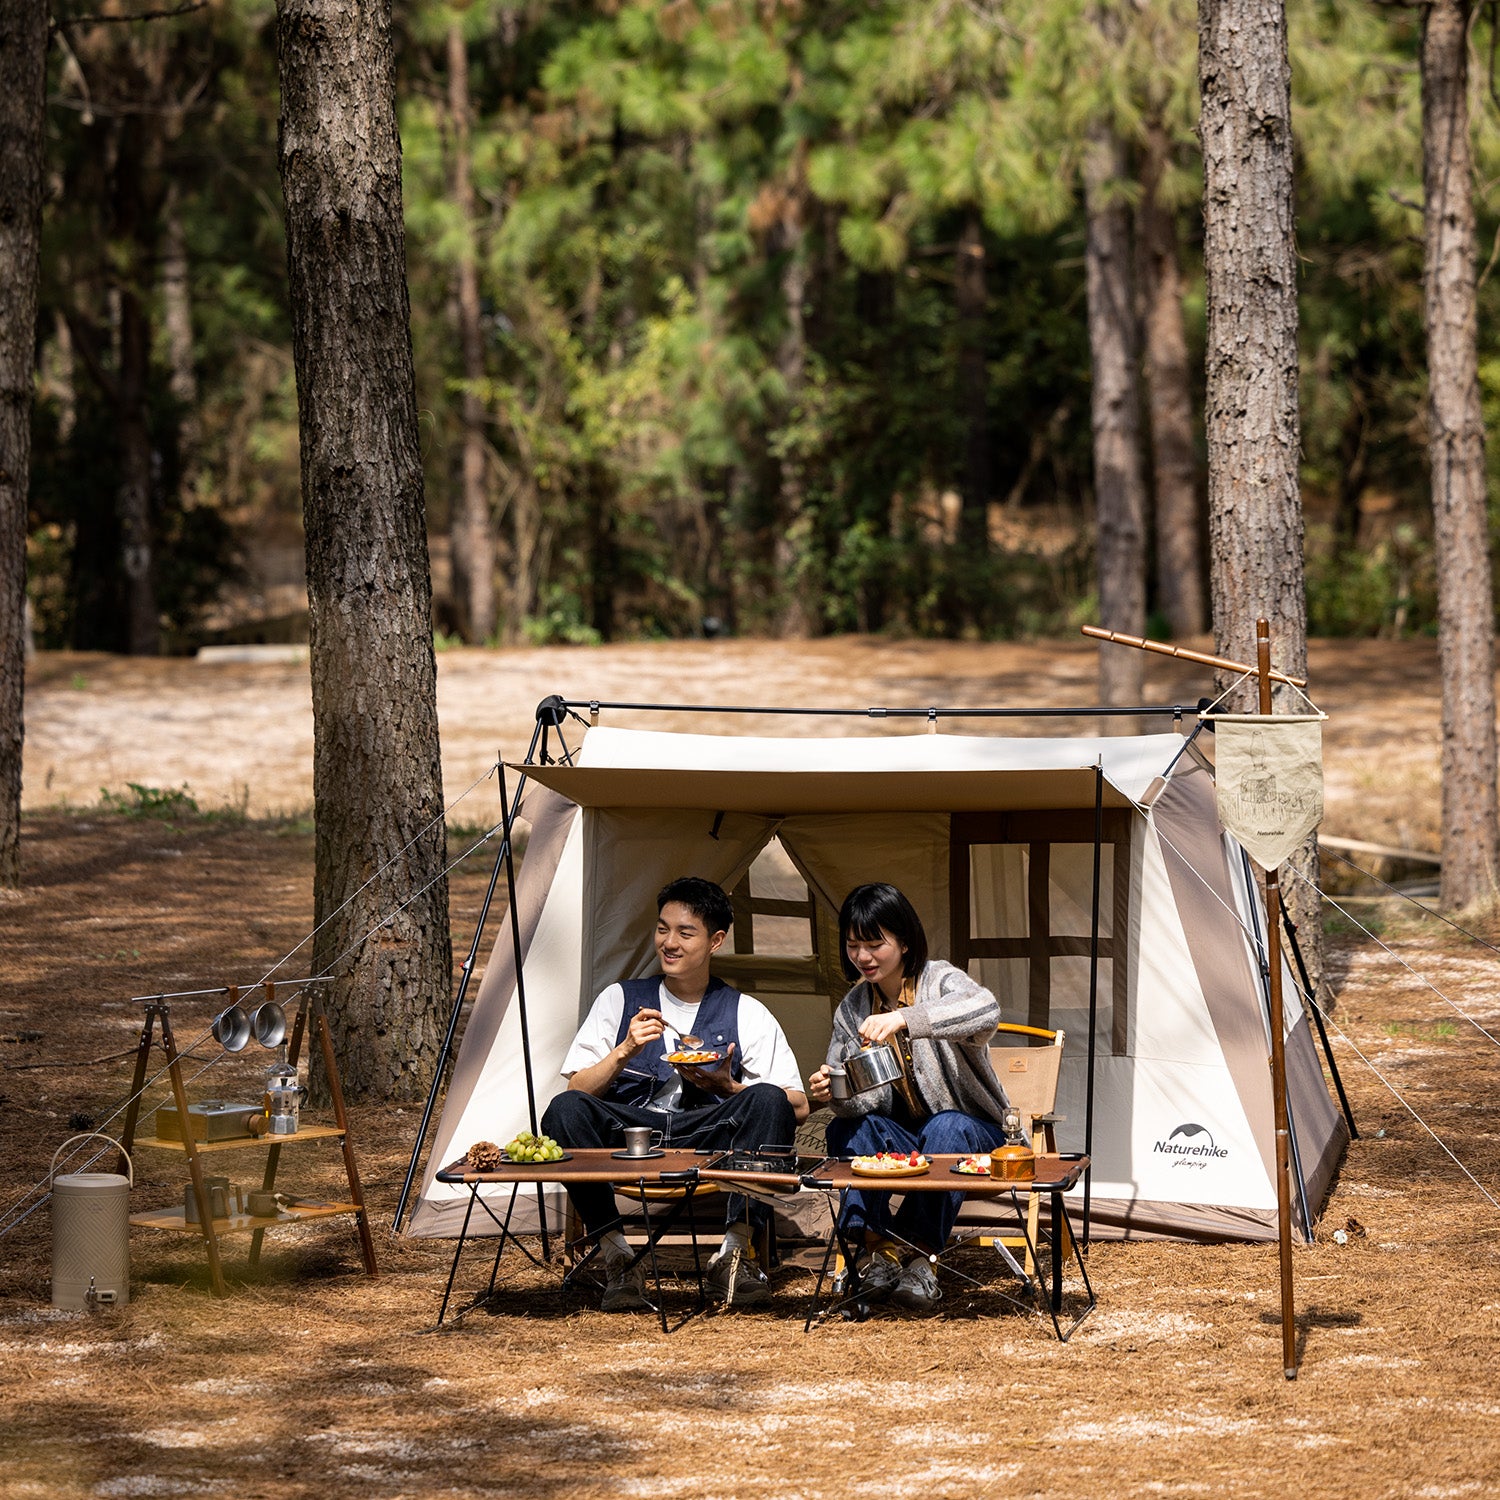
(618, 1075)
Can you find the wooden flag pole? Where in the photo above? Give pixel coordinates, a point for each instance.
(1164, 648)
(1265, 676)
(1278, 1058)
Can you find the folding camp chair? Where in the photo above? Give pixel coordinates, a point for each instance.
(1028, 1074)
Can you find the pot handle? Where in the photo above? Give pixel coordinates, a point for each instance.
(89, 1135)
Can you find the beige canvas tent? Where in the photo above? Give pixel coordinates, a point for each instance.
(999, 842)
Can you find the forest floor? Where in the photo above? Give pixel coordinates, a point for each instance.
(313, 1380)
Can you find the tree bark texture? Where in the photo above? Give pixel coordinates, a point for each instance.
(23, 68)
(1254, 500)
(1466, 625)
(1119, 483)
(1251, 417)
(471, 532)
(377, 780)
(799, 613)
(1179, 545)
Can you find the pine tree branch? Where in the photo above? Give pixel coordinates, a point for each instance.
(63, 23)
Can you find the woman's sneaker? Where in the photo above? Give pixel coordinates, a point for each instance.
(916, 1288)
(733, 1278)
(624, 1285)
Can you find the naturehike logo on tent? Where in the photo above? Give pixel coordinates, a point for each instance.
(1186, 1155)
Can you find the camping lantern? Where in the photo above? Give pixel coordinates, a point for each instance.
(90, 1234)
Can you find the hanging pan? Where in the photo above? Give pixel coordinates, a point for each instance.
(268, 1023)
(231, 1028)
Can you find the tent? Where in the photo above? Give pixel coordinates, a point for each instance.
(1086, 881)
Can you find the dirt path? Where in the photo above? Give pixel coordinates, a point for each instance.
(312, 1381)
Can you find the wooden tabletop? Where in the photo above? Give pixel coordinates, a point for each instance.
(1054, 1174)
(598, 1164)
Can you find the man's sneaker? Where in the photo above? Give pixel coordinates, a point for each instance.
(917, 1288)
(878, 1276)
(624, 1285)
(733, 1278)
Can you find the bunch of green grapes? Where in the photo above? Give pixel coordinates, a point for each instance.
(529, 1147)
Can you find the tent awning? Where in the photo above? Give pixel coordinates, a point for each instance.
(786, 792)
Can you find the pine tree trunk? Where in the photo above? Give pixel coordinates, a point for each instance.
(1179, 548)
(799, 614)
(1466, 625)
(177, 321)
(1119, 484)
(970, 302)
(23, 68)
(471, 532)
(377, 780)
(135, 224)
(1255, 504)
(1251, 416)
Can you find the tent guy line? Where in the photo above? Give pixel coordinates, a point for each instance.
(1421, 906)
(1402, 1101)
(1374, 937)
(420, 833)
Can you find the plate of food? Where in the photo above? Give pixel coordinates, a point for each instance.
(972, 1166)
(890, 1164)
(694, 1059)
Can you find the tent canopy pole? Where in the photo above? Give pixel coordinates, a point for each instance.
(445, 1052)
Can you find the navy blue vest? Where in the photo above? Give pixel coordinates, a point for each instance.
(643, 1077)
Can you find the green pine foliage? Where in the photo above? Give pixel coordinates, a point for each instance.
(724, 378)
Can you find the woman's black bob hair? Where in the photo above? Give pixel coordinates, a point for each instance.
(869, 908)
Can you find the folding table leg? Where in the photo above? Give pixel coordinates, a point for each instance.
(458, 1250)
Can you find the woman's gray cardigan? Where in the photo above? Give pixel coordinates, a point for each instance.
(950, 1024)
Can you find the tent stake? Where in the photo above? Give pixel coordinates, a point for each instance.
(1278, 1058)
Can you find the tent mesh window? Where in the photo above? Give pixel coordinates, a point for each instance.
(1020, 908)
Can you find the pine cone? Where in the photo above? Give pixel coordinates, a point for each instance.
(483, 1156)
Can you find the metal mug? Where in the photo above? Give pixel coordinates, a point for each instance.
(641, 1140)
(838, 1083)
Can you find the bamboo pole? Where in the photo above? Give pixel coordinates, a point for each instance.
(1164, 648)
(1278, 1058)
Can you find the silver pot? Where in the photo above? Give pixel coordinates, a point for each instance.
(872, 1066)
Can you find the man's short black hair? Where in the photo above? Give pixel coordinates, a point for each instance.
(703, 898)
(869, 909)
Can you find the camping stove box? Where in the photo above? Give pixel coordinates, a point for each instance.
(212, 1120)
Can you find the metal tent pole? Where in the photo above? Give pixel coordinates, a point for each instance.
(1088, 1111)
(515, 938)
(1317, 1015)
(446, 1050)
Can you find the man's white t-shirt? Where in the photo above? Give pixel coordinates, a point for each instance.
(764, 1053)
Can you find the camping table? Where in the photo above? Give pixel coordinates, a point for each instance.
(597, 1164)
(1054, 1176)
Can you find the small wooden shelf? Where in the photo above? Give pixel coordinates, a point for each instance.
(175, 1219)
(310, 1014)
(240, 1142)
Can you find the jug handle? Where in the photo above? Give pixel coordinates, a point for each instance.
(85, 1136)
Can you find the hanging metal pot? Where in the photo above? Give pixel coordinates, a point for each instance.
(231, 1028)
(268, 1023)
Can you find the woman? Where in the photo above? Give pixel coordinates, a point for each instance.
(953, 1101)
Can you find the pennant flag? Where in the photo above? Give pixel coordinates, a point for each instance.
(1268, 774)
